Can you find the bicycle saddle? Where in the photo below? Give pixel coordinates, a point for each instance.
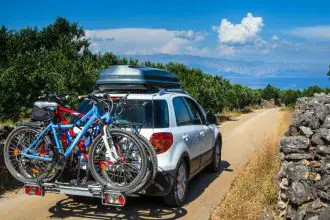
(45, 104)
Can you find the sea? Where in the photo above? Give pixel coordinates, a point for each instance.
(282, 82)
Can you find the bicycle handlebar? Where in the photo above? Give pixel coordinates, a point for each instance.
(103, 96)
(82, 96)
(58, 98)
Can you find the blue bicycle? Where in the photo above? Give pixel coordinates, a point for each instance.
(118, 158)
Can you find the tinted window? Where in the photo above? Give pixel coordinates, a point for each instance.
(196, 113)
(142, 111)
(83, 108)
(181, 112)
(138, 111)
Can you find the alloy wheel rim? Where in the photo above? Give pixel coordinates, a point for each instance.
(181, 182)
(217, 156)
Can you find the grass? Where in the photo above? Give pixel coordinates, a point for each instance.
(229, 115)
(11, 123)
(25, 116)
(253, 193)
(287, 108)
(234, 114)
(7, 123)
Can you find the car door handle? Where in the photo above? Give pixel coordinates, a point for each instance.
(202, 133)
(185, 137)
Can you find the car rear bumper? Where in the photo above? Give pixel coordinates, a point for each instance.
(162, 184)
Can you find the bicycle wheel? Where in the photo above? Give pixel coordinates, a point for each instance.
(152, 163)
(126, 173)
(22, 168)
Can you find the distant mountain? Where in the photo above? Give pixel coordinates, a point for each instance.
(240, 68)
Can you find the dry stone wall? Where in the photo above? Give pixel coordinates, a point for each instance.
(304, 179)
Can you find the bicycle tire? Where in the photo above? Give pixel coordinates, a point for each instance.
(153, 162)
(22, 175)
(130, 188)
(151, 168)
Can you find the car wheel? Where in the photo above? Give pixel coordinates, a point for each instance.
(215, 165)
(178, 194)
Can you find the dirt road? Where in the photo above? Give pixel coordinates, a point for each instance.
(241, 138)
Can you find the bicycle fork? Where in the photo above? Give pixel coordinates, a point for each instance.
(111, 151)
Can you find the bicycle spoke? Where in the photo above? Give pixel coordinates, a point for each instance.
(23, 165)
(123, 164)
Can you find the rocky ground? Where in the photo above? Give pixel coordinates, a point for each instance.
(304, 178)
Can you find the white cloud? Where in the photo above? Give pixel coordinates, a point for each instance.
(312, 33)
(131, 41)
(174, 46)
(226, 50)
(190, 35)
(275, 38)
(245, 32)
(238, 38)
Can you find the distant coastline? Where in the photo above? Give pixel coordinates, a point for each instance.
(281, 82)
(254, 74)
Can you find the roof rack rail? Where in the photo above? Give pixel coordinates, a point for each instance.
(144, 90)
(162, 91)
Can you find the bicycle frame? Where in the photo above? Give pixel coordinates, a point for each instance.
(91, 116)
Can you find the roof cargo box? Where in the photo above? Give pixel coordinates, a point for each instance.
(124, 77)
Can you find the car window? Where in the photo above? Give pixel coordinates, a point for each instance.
(143, 111)
(197, 115)
(83, 108)
(181, 112)
(137, 111)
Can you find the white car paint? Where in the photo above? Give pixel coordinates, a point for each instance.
(191, 139)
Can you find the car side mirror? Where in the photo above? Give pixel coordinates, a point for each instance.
(211, 118)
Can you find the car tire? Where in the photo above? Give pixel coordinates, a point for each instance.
(216, 161)
(178, 194)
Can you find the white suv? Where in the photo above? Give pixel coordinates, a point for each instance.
(185, 138)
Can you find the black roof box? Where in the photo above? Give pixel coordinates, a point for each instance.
(125, 77)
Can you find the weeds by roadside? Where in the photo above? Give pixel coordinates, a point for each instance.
(227, 116)
(12, 123)
(289, 108)
(254, 190)
(230, 115)
(7, 123)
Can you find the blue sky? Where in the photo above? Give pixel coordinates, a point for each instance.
(288, 31)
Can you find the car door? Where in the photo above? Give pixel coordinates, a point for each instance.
(204, 130)
(187, 132)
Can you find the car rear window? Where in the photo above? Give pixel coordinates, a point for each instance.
(137, 111)
(141, 111)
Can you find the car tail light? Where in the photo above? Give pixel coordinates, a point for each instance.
(161, 141)
(113, 199)
(34, 190)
